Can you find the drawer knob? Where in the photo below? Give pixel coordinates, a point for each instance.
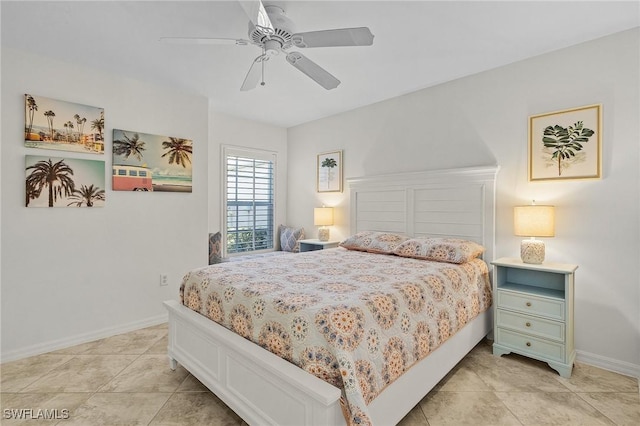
(528, 304)
(528, 324)
(528, 343)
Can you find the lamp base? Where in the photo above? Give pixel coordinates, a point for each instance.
(532, 251)
(323, 234)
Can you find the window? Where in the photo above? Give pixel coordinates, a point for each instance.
(133, 173)
(122, 172)
(249, 200)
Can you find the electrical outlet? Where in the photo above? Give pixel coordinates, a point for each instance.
(164, 279)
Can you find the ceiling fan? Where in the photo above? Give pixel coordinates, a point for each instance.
(272, 31)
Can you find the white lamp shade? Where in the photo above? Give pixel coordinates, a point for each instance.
(534, 221)
(323, 216)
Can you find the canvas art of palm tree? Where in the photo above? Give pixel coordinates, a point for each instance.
(147, 162)
(64, 182)
(63, 126)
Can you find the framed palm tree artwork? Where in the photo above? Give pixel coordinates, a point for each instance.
(64, 182)
(566, 144)
(63, 126)
(147, 162)
(329, 172)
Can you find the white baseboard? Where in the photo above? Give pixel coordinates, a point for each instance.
(617, 366)
(55, 345)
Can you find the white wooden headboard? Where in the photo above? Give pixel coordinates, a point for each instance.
(456, 203)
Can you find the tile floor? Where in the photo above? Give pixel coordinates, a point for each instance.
(126, 380)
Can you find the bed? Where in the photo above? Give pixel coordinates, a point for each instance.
(266, 389)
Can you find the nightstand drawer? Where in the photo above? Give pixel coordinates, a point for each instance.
(547, 329)
(530, 345)
(530, 304)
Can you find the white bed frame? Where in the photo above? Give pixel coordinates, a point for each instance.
(265, 389)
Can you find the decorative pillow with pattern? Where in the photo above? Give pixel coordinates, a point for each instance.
(290, 238)
(215, 248)
(374, 242)
(451, 250)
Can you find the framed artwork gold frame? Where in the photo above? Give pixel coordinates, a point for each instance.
(329, 171)
(566, 144)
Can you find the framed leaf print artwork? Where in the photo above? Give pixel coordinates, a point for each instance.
(329, 172)
(566, 144)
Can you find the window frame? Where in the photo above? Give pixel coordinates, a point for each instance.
(255, 154)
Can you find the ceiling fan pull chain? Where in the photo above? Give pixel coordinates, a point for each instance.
(264, 56)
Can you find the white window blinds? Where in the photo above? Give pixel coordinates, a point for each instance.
(249, 199)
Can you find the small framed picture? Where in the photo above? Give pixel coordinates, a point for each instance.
(566, 144)
(329, 172)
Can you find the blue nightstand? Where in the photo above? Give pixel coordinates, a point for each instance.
(533, 311)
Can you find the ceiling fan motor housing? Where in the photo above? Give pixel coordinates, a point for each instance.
(284, 29)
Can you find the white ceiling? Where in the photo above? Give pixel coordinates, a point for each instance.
(417, 44)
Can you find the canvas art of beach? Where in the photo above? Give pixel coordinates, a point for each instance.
(63, 126)
(147, 162)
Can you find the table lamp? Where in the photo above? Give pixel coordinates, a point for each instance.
(323, 217)
(533, 221)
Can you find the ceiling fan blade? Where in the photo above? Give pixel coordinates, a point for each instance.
(329, 38)
(258, 16)
(313, 70)
(204, 40)
(253, 76)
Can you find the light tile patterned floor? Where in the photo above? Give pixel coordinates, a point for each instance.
(126, 380)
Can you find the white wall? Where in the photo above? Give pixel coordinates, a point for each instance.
(482, 120)
(72, 275)
(225, 129)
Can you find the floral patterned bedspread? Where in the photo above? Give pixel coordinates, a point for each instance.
(356, 320)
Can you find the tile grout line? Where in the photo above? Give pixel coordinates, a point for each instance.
(97, 391)
(578, 394)
(168, 399)
(131, 363)
(45, 373)
(493, 391)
